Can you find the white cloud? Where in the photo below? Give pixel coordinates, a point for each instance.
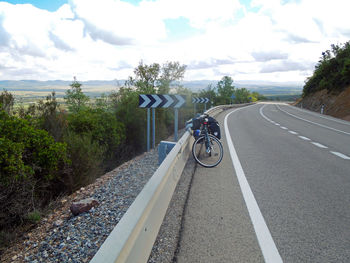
(117, 22)
(106, 39)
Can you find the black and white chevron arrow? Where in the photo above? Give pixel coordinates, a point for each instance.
(161, 101)
(200, 100)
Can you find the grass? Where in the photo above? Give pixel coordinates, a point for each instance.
(34, 217)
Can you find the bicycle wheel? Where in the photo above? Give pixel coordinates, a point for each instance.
(207, 156)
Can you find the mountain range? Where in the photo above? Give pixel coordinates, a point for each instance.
(102, 86)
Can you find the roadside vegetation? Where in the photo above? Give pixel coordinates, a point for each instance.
(47, 150)
(332, 71)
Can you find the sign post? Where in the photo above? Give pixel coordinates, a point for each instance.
(148, 128)
(160, 101)
(200, 100)
(154, 127)
(176, 124)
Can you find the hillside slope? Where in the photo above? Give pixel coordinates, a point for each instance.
(335, 105)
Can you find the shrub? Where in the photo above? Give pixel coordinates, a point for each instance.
(34, 216)
(27, 151)
(102, 127)
(29, 160)
(86, 158)
(331, 72)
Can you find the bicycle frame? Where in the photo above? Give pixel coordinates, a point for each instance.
(206, 135)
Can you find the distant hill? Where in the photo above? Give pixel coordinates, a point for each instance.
(96, 87)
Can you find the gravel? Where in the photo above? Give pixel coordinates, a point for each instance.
(68, 238)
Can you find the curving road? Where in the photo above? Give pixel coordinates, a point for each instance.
(281, 193)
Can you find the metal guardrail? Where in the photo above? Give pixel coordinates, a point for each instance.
(133, 237)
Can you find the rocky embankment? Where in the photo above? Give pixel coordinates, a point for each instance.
(335, 105)
(63, 237)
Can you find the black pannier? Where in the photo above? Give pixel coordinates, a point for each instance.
(196, 124)
(214, 127)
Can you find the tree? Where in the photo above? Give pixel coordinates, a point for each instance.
(146, 77)
(242, 95)
(75, 98)
(170, 72)
(209, 93)
(225, 89)
(332, 71)
(150, 79)
(6, 101)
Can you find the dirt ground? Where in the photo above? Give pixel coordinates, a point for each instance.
(335, 105)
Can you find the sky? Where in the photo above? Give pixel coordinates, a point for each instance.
(252, 41)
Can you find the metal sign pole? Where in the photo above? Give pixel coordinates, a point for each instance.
(154, 127)
(148, 128)
(176, 110)
(160, 101)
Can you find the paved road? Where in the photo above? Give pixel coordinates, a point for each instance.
(297, 165)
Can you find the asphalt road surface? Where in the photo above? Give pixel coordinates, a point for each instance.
(281, 193)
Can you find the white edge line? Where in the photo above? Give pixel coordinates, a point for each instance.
(341, 155)
(267, 245)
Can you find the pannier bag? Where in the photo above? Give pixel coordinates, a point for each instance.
(214, 128)
(196, 133)
(196, 124)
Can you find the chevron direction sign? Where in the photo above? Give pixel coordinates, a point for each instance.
(200, 100)
(161, 101)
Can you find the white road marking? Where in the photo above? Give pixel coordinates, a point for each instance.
(341, 155)
(321, 116)
(277, 124)
(321, 125)
(305, 138)
(267, 245)
(319, 145)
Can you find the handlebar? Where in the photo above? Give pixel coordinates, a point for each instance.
(201, 118)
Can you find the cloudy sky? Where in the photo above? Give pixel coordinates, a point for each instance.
(249, 40)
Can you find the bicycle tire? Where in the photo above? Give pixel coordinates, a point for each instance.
(211, 159)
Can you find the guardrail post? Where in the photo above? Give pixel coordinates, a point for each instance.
(164, 149)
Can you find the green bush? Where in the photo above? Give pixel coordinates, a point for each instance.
(30, 163)
(101, 126)
(134, 118)
(86, 158)
(332, 72)
(26, 151)
(34, 216)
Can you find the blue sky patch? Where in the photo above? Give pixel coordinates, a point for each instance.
(49, 5)
(179, 28)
